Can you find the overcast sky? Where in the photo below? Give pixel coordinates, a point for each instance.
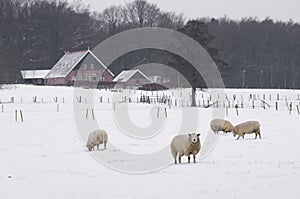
(235, 9)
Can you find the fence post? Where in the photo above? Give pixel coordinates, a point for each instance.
(21, 114)
(87, 113)
(298, 109)
(166, 115)
(276, 106)
(93, 114)
(2, 108)
(236, 109)
(16, 115)
(157, 112)
(226, 110)
(253, 104)
(291, 107)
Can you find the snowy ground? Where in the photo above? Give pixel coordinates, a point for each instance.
(45, 157)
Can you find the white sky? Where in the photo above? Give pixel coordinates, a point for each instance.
(235, 9)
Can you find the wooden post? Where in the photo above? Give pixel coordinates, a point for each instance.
(157, 112)
(298, 109)
(63, 100)
(237, 111)
(16, 115)
(278, 97)
(87, 113)
(2, 108)
(276, 106)
(21, 114)
(253, 104)
(93, 114)
(291, 107)
(226, 110)
(166, 115)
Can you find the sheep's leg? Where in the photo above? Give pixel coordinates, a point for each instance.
(238, 137)
(255, 135)
(104, 145)
(194, 158)
(180, 155)
(189, 159)
(259, 134)
(175, 157)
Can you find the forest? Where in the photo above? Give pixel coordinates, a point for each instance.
(249, 52)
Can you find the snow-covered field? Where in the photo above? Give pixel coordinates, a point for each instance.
(44, 156)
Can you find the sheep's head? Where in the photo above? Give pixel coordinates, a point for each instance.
(89, 146)
(234, 131)
(194, 137)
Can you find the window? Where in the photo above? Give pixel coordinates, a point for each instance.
(73, 78)
(88, 77)
(92, 67)
(94, 77)
(84, 66)
(79, 76)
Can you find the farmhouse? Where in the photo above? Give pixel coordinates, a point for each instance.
(82, 67)
(34, 76)
(131, 79)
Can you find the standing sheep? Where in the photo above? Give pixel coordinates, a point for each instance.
(96, 138)
(185, 145)
(217, 125)
(247, 128)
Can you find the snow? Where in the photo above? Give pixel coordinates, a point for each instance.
(45, 157)
(66, 64)
(34, 74)
(124, 76)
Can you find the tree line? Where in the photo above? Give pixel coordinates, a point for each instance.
(249, 53)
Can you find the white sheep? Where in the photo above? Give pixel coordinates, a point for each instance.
(217, 125)
(247, 128)
(185, 145)
(96, 138)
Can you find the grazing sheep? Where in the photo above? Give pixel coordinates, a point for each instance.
(96, 138)
(217, 125)
(247, 128)
(185, 145)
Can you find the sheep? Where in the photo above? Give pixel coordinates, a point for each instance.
(185, 145)
(247, 128)
(217, 125)
(96, 138)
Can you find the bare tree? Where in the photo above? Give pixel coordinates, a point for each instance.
(140, 13)
(112, 19)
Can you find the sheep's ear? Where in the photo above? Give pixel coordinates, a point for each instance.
(190, 134)
(198, 134)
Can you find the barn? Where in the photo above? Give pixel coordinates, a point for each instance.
(35, 77)
(81, 68)
(131, 79)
